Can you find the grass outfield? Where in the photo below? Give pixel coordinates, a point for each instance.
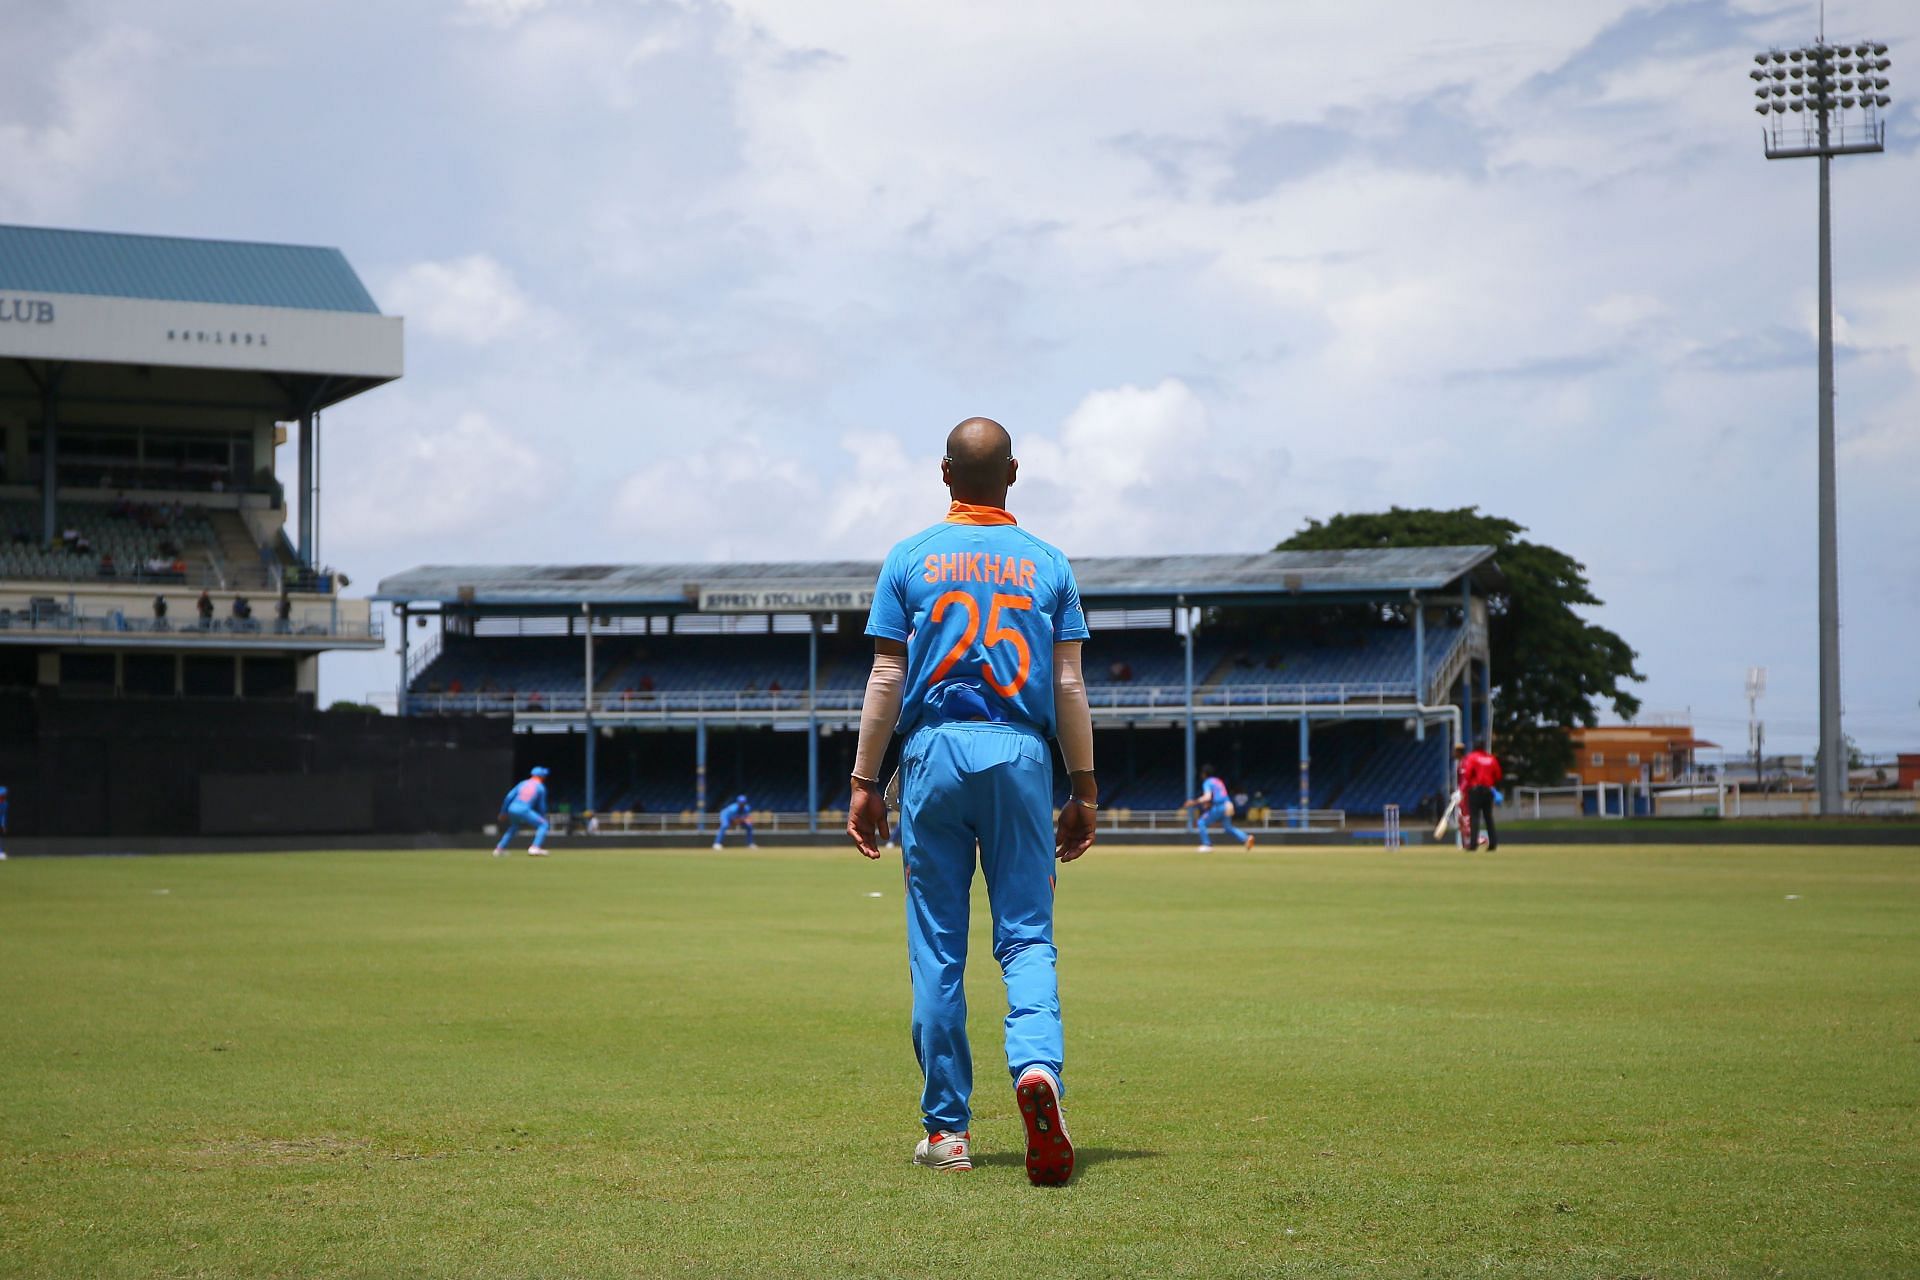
(1588, 1062)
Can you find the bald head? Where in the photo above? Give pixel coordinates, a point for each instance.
(979, 465)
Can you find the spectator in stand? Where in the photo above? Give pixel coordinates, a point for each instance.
(1480, 773)
(205, 605)
(107, 569)
(1119, 672)
(242, 613)
(160, 613)
(646, 683)
(283, 614)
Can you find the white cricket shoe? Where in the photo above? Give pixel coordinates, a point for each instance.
(536, 852)
(947, 1152)
(1203, 848)
(503, 853)
(1049, 1149)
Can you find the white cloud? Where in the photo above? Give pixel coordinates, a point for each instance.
(94, 130)
(1131, 469)
(473, 300)
(396, 482)
(501, 12)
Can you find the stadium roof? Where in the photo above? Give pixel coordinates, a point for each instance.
(1374, 573)
(175, 269)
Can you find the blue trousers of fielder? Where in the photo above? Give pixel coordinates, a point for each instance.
(1219, 814)
(964, 784)
(519, 815)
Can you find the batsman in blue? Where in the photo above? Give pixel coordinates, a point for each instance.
(977, 631)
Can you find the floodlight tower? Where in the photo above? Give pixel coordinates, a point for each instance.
(1837, 95)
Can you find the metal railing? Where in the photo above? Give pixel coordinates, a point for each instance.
(1172, 822)
(1714, 798)
(115, 624)
(1144, 699)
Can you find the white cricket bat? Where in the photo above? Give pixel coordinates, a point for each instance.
(1440, 827)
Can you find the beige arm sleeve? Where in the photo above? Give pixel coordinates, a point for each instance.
(1070, 711)
(879, 713)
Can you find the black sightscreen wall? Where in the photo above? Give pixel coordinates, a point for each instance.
(77, 766)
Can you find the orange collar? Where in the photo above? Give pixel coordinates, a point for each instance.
(967, 513)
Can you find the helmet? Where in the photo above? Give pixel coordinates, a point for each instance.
(539, 771)
(740, 799)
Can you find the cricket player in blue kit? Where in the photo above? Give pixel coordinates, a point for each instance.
(977, 631)
(739, 813)
(1214, 805)
(525, 803)
(3, 820)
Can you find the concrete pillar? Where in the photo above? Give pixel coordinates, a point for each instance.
(1193, 763)
(49, 459)
(1306, 773)
(306, 489)
(1419, 664)
(586, 622)
(700, 775)
(401, 707)
(813, 724)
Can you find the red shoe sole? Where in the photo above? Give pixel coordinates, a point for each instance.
(1049, 1152)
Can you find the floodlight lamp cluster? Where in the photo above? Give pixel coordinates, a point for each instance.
(1822, 78)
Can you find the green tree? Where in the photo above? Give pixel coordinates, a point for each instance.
(1550, 666)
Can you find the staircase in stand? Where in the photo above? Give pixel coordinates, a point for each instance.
(240, 554)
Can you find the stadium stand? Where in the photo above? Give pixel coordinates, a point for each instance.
(1356, 650)
(146, 534)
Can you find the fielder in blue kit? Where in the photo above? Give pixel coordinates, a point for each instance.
(739, 813)
(1212, 806)
(526, 804)
(977, 627)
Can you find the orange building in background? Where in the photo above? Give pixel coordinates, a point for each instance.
(1621, 752)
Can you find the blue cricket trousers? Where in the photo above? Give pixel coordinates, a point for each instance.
(962, 784)
(517, 815)
(1219, 814)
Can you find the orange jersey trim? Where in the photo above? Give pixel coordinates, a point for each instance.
(968, 513)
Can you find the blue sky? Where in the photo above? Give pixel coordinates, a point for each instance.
(710, 280)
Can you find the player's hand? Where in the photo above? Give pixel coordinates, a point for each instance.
(1072, 831)
(867, 819)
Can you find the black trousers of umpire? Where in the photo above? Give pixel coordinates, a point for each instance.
(1480, 814)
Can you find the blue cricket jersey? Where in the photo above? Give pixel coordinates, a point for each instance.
(733, 811)
(979, 602)
(1215, 791)
(532, 793)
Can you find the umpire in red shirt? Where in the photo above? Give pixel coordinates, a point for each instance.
(1479, 774)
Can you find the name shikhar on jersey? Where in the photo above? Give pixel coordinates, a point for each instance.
(980, 566)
